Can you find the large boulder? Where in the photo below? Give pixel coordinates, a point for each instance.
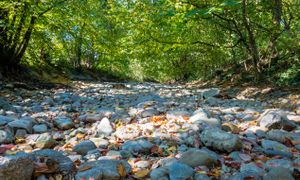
(196, 157)
(103, 170)
(21, 124)
(276, 119)
(84, 147)
(137, 146)
(220, 140)
(17, 167)
(65, 165)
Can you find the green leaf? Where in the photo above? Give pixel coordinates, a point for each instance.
(231, 3)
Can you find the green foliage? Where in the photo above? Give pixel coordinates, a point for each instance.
(163, 40)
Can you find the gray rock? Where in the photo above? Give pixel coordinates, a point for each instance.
(202, 177)
(284, 163)
(75, 157)
(200, 113)
(103, 169)
(83, 147)
(17, 167)
(149, 113)
(282, 136)
(100, 142)
(180, 171)
(176, 114)
(159, 173)
(6, 137)
(196, 157)
(5, 105)
(125, 134)
(40, 128)
(278, 173)
(274, 145)
(137, 146)
(45, 141)
(274, 119)
(245, 175)
(206, 93)
(211, 122)
(220, 140)
(94, 174)
(114, 154)
(4, 120)
(21, 133)
(90, 118)
(92, 154)
(63, 123)
(297, 165)
(21, 124)
(104, 127)
(142, 164)
(252, 168)
(66, 166)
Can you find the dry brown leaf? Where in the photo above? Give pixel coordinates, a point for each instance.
(121, 170)
(141, 173)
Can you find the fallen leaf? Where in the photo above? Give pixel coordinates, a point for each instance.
(216, 172)
(142, 173)
(121, 170)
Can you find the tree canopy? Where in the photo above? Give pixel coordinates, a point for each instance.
(160, 40)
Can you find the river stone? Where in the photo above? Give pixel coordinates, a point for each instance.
(220, 140)
(176, 114)
(245, 175)
(5, 105)
(137, 146)
(273, 163)
(66, 166)
(17, 167)
(90, 118)
(6, 137)
(211, 92)
(63, 123)
(93, 174)
(83, 147)
(199, 176)
(4, 120)
(149, 113)
(104, 169)
(104, 127)
(274, 145)
(159, 173)
(126, 133)
(21, 124)
(196, 157)
(275, 119)
(40, 128)
(282, 136)
(45, 141)
(100, 142)
(278, 173)
(180, 171)
(252, 167)
(211, 122)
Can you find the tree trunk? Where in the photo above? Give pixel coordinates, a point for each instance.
(251, 38)
(276, 8)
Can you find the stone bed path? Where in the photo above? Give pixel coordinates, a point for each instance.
(97, 131)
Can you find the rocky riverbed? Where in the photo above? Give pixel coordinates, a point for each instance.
(148, 131)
